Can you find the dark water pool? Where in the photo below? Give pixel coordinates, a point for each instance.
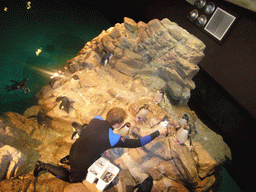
(59, 30)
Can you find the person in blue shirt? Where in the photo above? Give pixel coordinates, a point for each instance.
(95, 139)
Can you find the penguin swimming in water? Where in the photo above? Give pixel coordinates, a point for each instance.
(145, 186)
(78, 130)
(42, 118)
(18, 86)
(65, 104)
(141, 114)
(105, 59)
(124, 130)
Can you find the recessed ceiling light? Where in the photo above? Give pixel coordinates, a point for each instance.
(209, 8)
(200, 3)
(201, 20)
(193, 15)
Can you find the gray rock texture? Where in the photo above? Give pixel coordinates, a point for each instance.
(159, 50)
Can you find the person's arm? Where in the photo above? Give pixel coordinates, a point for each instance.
(119, 141)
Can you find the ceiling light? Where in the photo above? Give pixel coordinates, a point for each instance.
(201, 20)
(193, 15)
(200, 3)
(209, 8)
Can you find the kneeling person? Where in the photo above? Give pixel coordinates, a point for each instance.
(93, 141)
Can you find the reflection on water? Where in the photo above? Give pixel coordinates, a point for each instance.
(37, 42)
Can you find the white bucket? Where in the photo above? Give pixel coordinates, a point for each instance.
(107, 176)
(95, 169)
(104, 171)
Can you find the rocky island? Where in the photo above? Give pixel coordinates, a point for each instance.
(124, 66)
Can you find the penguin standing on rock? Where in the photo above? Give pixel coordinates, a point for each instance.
(141, 114)
(145, 186)
(105, 59)
(184, 119)
(185, 133)
(163, 123)
(55, 82)
(124, 130)
(75, 82)
(65, 104)
(159, 96)
(42, 118)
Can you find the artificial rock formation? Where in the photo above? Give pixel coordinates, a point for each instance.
(161, 53)
(129, 80)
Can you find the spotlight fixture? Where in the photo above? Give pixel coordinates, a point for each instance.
(193, 15)
(200, 3)
(209, 17)
(201, 20)
(209, 8)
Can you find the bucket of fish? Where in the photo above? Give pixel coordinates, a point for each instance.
(106, 176)
(95, 169)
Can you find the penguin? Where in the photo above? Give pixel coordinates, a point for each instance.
(184, 119)
(182, 134)
(105, 59)
(159, 96)
(124, 130)
(145, 186)
(42, 118)
(78, 130)
(141, 114)
(65, 104)
(163, 123)
(18, 86)
(185, 133)
(75, 82)
(55, 82)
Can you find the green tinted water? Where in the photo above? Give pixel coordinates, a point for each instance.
(61, 33)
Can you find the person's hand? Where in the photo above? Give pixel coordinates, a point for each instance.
(163, 131)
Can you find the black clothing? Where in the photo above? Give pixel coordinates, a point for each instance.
(95, 139)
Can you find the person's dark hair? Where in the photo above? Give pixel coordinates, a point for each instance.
(116, 115)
